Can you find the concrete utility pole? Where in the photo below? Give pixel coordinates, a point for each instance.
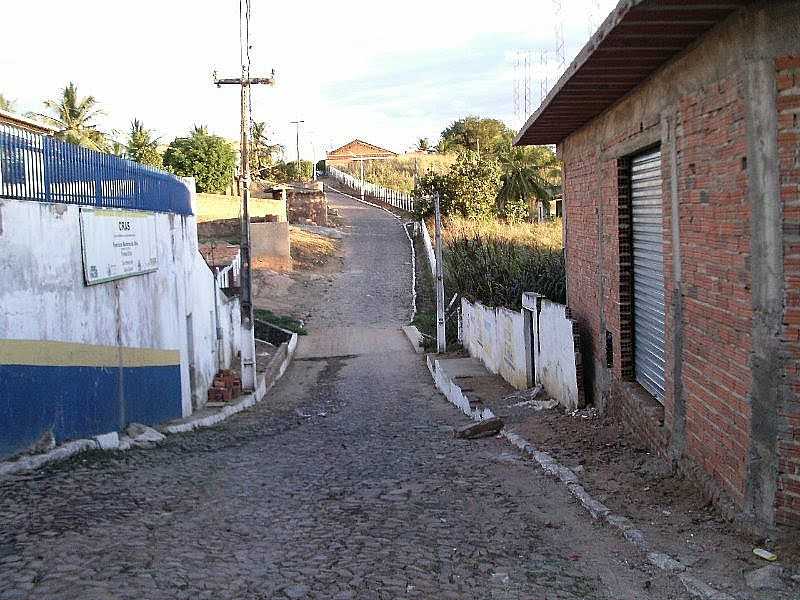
(297, 132)
(248, 333)
(441, 339)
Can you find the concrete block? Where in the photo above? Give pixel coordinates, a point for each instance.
(107, 441)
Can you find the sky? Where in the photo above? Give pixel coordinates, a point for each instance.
(388, 73)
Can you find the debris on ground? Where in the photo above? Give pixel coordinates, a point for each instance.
(139, 435)
(765, 554)
(480, 429)
(537, 404)
(226, 386)
(766, 578)
(534, 393)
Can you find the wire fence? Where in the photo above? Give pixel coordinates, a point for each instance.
(44, 169)
(400, 200)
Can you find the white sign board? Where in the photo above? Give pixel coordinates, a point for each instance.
(117, 243)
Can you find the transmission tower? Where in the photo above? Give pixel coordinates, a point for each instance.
(594, 16)
(527, 85)
(561, 59)
(544, 86)
(517, 108)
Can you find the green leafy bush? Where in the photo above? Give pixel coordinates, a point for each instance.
(210, 159)
(468, 189)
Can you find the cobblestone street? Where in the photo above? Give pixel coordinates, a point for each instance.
(345, 482)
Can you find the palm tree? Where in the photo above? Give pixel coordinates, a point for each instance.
(6, 104)
(142, 145)
(423, 145)
(528, 174)
(73, 119)
(262, 152)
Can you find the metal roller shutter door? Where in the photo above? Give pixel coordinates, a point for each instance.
(648, 273)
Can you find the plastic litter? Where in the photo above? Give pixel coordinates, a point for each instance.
(765, 554)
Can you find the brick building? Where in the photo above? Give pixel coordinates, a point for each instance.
(678, 125)
(357, 149)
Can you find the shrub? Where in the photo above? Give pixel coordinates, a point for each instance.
(468, 189)
(494, 263)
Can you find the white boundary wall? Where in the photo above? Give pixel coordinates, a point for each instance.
(534, 346)
(179, 306)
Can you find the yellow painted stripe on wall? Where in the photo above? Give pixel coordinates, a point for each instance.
(71, 354)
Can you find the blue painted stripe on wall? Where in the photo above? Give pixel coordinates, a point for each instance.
(78, 402)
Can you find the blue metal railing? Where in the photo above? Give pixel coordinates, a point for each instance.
(44, 169)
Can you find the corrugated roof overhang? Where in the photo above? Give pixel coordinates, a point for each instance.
(636, 38)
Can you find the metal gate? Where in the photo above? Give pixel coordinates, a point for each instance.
(648, 272)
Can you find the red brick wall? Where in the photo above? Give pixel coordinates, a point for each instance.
(709, 126)
(717, 303)
(788, 83)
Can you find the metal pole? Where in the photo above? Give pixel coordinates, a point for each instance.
(441, 340)
(362, 179)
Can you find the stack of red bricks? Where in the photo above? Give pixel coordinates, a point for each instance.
(226, 386)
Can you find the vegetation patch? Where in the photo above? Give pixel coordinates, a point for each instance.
(282, 321)
(494, 263)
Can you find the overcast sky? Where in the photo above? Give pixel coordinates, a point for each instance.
(385, 72)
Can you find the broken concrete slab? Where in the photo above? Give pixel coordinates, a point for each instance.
(142, 434)
(480, 429)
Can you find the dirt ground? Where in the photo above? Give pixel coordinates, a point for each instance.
(316, 259)
(669, 508)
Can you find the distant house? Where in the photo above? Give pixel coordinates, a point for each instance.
(20, 122)
(677, 125)
(357, 149)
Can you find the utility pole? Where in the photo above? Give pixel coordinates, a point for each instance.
(297, 132)
(441, 339)
(248, 334)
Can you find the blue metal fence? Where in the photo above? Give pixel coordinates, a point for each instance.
(42, 168)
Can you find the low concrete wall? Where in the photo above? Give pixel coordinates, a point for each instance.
(216, 207)
(534, 346)
(270, 245)
(556, 360)
(496, 336)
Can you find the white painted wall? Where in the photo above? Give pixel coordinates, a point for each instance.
(43, 296)
(546, 354)
(554, 353)
(496, 336)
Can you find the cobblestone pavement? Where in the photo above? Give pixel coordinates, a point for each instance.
(344, 483)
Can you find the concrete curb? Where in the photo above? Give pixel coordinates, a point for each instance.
(102, 442)
(598, 511)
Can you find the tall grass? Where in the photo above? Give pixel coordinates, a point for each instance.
(398, 173)
(494, 262)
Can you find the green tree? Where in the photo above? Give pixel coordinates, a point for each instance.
(530, 174)
(210, 159)
(74, 118)
(263, 153)
(284, 172)
(142, 145)
(423, 145)
(7, 104)
(469, 187)
(487, 136)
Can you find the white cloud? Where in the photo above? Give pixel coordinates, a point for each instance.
(387, 72)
